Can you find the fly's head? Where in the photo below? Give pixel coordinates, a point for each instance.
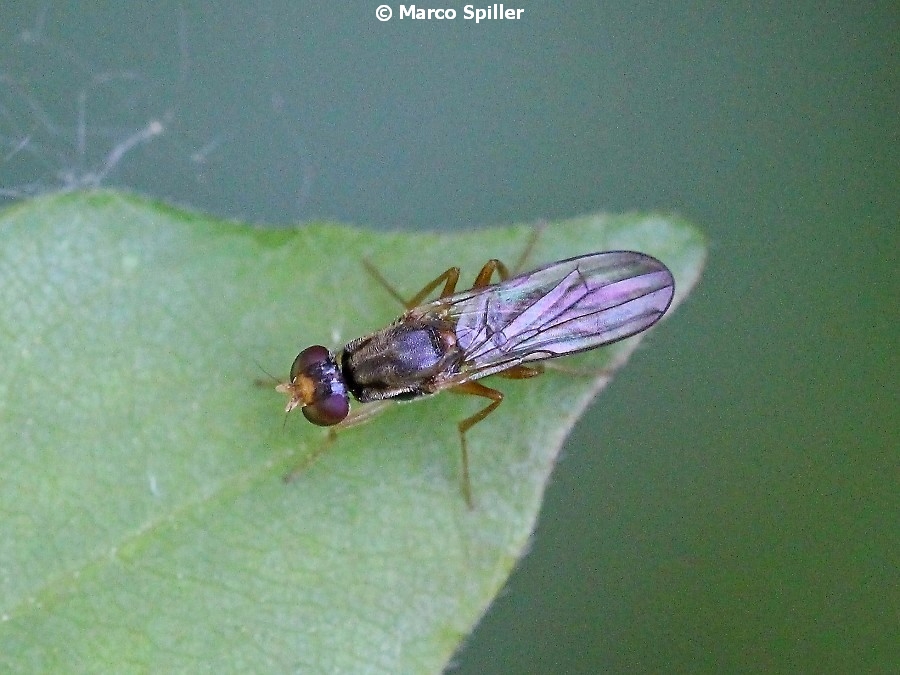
(318, 387)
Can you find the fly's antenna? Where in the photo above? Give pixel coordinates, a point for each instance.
(266, 373)
(259, 382)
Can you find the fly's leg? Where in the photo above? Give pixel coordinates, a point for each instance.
(451, 277)
(473, 389)
(448, 278)
(358, 415)
(487, 271)
(581, 372)
(496, 397)
(493, 265)
(304, 465)
(522, 372)
(529, 246)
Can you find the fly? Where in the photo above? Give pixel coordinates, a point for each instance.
(502, 328)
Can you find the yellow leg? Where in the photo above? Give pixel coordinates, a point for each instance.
(473, 389)
(451, 277)
(448, 278)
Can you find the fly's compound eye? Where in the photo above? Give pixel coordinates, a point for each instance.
(320, 385)
(327, 411)
(309, 357)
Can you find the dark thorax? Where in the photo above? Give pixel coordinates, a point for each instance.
(405, 360)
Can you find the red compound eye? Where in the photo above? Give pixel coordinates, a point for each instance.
(328, 403)
(309, 357)
(328, 411)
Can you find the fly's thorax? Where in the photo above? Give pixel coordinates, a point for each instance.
(402, 361)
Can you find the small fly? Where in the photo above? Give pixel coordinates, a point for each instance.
(502, 328)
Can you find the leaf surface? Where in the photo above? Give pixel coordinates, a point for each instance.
(144, 523)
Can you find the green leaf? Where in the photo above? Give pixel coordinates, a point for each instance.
(145, 524)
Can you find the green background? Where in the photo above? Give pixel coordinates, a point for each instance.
(731, 501)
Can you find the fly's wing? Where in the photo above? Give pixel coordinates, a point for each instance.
(563, 308)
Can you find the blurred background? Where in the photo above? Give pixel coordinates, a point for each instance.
(730, 503)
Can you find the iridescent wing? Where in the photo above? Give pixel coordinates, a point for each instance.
(565, 307)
